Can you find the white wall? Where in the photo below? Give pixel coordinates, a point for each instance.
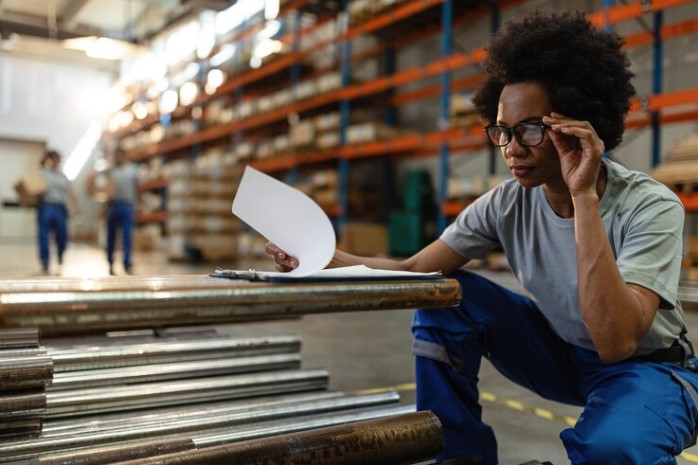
(17, 224)
(50, 103)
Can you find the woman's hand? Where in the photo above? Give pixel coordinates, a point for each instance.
(580, 150)
(284, 262)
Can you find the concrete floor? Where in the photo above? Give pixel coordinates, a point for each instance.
(363, 352)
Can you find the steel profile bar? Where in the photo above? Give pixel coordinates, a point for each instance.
(20, 427)
(23, 404)
(397, 438)
(139, 418)
(25, 372)
(194, 426)
(221, 436)
(111, 283)
(20, 338)
(111, 454)
(79, 312)
(166, 371)
(95, 356)
(116, 398)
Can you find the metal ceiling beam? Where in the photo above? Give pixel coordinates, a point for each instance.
(69, 13)
(9, 26)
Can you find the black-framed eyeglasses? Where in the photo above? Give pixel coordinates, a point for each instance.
(527, 134)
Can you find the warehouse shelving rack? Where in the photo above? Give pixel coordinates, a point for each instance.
(650, 111)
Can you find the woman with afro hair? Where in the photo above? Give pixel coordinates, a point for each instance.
(596, 246)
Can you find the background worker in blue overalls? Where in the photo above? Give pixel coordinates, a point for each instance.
(121, 215)
(597, 246)
(52, 213)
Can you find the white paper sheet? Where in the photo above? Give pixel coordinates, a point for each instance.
(346, 273)
(288, 218)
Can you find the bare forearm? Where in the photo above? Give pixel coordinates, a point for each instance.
(612, 312)
(345, 259)
(437, 256)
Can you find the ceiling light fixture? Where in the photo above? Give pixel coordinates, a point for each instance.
(103, 48)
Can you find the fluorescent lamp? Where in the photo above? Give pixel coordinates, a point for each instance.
(214, 79)
(103, 48)
(188, 93)
(271, 9)
(226, 53)
(168, 101)
(270, 30)
(140, 109)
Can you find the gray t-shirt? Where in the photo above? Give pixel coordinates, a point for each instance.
(57, 186)
(644, 223)
(125, 177)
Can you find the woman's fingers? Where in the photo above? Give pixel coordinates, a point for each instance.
(284, 262)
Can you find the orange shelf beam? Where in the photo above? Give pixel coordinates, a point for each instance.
(452, 208)
(666, 99)
(153, 184)
(667, 32)
(391, 17)
(618, 14)
(689, 200)
(333, 210)
(152, 217)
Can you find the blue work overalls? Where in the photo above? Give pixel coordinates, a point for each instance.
(635, 411)
(52, 217)
(120, 215)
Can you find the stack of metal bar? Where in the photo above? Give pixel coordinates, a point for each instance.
(194, 395)
(110, 399)
(25, 371)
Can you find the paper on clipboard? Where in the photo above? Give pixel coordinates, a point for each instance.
(288, 218)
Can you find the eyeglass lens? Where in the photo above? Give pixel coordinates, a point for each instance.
(527, 134)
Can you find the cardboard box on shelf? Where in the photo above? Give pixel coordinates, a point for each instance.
(30, 187)
(364, 239)
(325, 196)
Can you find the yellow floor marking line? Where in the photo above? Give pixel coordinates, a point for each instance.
(399, 388)
(509, 403)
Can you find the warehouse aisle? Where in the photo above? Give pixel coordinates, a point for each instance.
(363, 352)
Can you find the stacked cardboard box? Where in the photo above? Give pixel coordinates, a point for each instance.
(30, 187)
(200, 224)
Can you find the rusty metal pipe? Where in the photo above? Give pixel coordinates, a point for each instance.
(111, 454)
(74, 312)
(404, 438)
(167, 371)
(96, 356)
(116, 398)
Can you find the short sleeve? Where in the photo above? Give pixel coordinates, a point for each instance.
(650, 255)
(474, 232)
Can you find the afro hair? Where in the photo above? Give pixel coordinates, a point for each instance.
(583, 69)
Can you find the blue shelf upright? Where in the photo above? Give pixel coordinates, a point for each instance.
(344, 109)
(657, 84)
(446, 50)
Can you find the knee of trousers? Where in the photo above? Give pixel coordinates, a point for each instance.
(481, 301)
(608, 446)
